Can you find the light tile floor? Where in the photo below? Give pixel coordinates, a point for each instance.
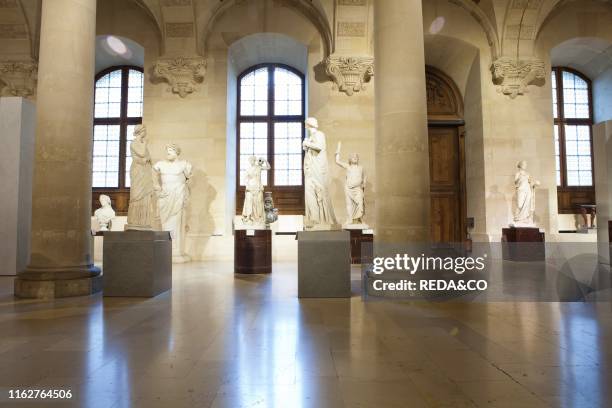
(222, 341)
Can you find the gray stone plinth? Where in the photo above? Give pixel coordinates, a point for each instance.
(324, 264)
(137, 263)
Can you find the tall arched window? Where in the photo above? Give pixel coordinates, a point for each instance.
(271, 114)
(118, 109)
(573, 112)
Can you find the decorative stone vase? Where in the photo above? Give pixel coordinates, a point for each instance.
(271, 212)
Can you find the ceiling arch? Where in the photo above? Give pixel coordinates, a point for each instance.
(311, 9)
(486, 21)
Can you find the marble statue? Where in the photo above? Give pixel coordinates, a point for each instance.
(105, 214)
(271, 212)
(525, 196)
(172, 187)
(353, 189)
(319, 208)
(253, 213)
(142, 206)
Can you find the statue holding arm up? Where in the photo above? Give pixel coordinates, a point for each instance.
(354, 187)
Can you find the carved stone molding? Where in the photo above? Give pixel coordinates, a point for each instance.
(182, 74)
(18, 78)
(350, 74)
(512, 76)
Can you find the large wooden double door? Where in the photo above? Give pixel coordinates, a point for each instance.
(446, 159)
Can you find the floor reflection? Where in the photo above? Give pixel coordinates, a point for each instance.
(223, 341)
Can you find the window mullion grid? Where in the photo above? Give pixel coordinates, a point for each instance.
(561, 127)
(271, 117)
(123, 127)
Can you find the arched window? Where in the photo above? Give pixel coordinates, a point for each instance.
(118, 109)
(573, 112)
(271, 114)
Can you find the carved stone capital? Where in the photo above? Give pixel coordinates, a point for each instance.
(18, 78)
(512, 76)
(182, 74)
(350, 74)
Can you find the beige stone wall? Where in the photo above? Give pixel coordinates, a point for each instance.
(499, 130)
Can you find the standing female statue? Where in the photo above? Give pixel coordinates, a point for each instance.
(253, 209)
(525, 196)
(142, 198)
(172, 186)
(319, 208)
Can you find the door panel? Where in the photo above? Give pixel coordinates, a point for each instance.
(446, 184)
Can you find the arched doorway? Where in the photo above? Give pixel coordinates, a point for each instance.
(446, 158)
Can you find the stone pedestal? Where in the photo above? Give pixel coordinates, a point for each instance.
(17, 127)
(324, 264)
(137, 263)
(61, 262)
(253, 251)
(523, 244)
(359, 237)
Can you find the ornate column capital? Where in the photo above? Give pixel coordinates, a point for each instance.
(182, 74)
(350, 74)
(512, 76)
(19, 78)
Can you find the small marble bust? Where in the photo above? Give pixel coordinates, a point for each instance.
(105, 214)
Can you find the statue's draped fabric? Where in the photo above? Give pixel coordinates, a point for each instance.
(525, 200)
(253, 208)
(319, 209)
(354, 192)
(173, 199)
(141, 208)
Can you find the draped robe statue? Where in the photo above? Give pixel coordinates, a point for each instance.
(253, 208)
(319, 208)
(525, 196)
(353, 188)
(172, 189)
(141, 210)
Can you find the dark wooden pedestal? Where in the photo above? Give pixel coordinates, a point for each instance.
(523, 244)
(253, 253)
(358, 238)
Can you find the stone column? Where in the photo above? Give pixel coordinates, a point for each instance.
(402, 151)
(61, 263)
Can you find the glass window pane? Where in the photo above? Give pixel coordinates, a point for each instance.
(287, 92)
(253, 142)
(254, 93)
(287, 153)
(579, 158)
(108, 95)
(106, 156)
(576, 103)
(553, 81)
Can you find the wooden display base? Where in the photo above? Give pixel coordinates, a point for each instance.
(523, 244)
(253, 251)
(358, 237)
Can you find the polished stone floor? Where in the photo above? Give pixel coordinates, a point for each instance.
(222, 341)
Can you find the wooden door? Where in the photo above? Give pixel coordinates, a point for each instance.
(447, 184)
